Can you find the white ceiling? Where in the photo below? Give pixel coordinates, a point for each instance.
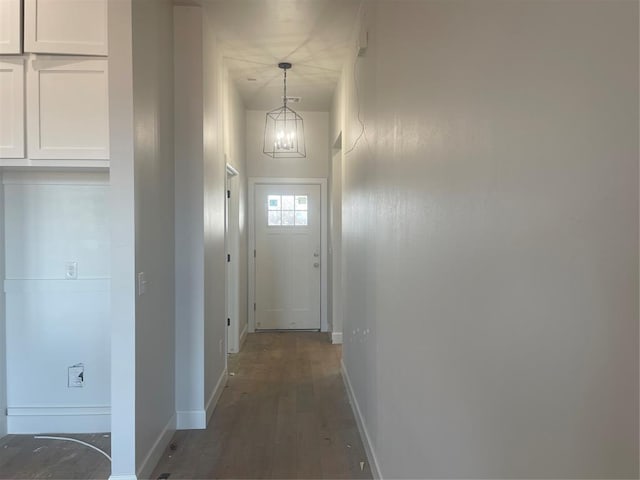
(313, 35)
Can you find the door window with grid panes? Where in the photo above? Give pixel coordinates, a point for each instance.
(287, 211)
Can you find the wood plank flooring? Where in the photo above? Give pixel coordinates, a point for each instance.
(22, 456)
(283, 414)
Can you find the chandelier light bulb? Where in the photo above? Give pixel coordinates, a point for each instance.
(285, 140)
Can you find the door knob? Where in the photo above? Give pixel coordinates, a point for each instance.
(316, 264)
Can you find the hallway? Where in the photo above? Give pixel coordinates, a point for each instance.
(471, 258)
(284, 414)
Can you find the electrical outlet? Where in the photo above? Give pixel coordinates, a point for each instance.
(362, 43)
(71, 270)
(76, 376)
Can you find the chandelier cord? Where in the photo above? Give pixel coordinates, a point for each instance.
(285, 88)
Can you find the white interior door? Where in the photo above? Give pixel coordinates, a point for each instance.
(287, 263)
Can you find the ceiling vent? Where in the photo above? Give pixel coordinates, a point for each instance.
(292, 99)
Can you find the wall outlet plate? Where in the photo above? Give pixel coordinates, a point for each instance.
(76, 376)
(362, 42)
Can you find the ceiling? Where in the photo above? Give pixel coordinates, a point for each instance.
(313, 35)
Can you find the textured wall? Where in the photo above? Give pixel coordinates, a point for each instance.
(491, 239)
(189, 205)
(154, 224)
(215, 328)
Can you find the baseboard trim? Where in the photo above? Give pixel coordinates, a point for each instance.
(55, 411)
(336, 338)
(155, 452)
(216, 394)
(191, 420)
(34, 420)
(366, 440)
(243, 336)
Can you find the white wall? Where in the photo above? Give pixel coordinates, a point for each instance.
(142, 233)
(154, 227)
(335, 299)
(335, 293)
(189, 206)
(202, 137)
(491, 239)
(123, 242)
(53, 323)
(215, 326)
(316, 163)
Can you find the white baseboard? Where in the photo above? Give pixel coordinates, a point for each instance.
(243, 336)
(51, 419)
(336, 338)
(198, 419)
(364, 434)
(191, 420)
(155, 452)
(216, 394)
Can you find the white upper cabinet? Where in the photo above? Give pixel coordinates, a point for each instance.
(67, 108)
(73, 27)
(10, 27)
(11, 107)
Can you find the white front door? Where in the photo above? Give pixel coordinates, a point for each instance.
(287, 263)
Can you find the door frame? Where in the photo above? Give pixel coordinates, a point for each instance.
(322, 182)
(232, 248)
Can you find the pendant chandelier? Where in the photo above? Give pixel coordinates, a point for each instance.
(284, 128)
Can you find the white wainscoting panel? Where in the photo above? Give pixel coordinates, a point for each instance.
(54, 322)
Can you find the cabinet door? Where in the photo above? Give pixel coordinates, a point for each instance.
(11, 107)
(67, 108)
(74, 27)
(10, 26)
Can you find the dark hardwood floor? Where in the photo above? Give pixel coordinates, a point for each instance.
(284, 414)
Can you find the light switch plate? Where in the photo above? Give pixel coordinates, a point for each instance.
(71, 270)
(142, 284)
